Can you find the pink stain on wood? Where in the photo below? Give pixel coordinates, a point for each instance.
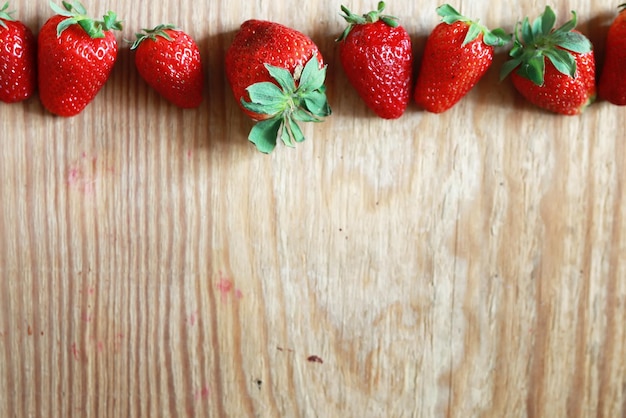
(193, 318)
(84, 172)
(226, 287)
(202, 394)
(75, 352)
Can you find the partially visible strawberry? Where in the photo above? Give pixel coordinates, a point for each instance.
(565, 82)
(18, 59)
(377, 57)
(169, 61)
(457, 55)
(612, 85)
(277, 76)
(76, 56)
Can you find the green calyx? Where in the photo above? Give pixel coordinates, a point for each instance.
(5, 15)
(77, 14)
(300, 97)
(152, 34)
(496, 37)
(540, 40)
(371, 17)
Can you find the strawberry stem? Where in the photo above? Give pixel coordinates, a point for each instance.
(298, 97)
(76, 13)
(371, 17)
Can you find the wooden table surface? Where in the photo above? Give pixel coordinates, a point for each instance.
(468, 264)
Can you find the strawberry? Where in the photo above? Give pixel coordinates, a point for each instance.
(611, 85)
(457, 55)
(169, 61)
(76, 56)
(277, 76)
(377, 57)
(18, 59)
(565, 82)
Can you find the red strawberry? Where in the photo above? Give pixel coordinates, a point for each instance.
(76, 56)
(565, 83)
(277, 76)
(169, 61)
(18, 59)
(611, 85)
(457, 55)
(377, 57)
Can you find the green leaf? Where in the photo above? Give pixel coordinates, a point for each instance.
(497, 37)
(263, 109)
(575, 42)
(266, 94)
(5, 15)
(60, 10)
(569, 25)
(536, 26)
(295, 130)
(534, 69)
(562, 61)
(304, 116)
(527, 32)
(283, 77)
(64, 24)
(263, 134)
(517, 50)
(78, 7)
(285, 136)
(312, 77)
(317, 104)
(92, 29)
(508, 67)
(547, 21)
(111, 23)
(472, 33)
(449, 14)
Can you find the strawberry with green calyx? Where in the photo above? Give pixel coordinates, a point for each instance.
(377, 58)
(611, 85)
(75, 58)
(169, 61)
(565, 82)
(277, 76)
(458, 53)
(18, 59)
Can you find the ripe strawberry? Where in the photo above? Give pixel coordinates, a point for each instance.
(18, 59)
(457, 55)
(565, 83)
(76, 56)
(377, 57)
(169, 61)
(277, 76)
(611, 85)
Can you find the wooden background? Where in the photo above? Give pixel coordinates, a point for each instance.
(469, 264)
